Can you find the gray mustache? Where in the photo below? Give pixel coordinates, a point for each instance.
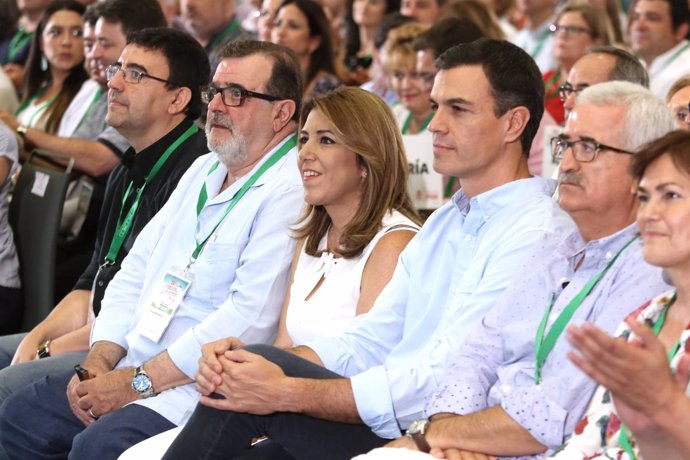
(569, 177)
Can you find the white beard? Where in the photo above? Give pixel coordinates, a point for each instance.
(231, 151)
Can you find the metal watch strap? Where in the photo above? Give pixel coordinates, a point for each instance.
(148, 393)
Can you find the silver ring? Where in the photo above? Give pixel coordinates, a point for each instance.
(92, 414)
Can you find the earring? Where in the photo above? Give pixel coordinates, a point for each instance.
(44, 63)
(364, 174)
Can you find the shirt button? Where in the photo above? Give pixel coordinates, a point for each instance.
(506, 389)
(608, 255)
(100, 283)
(468, 237)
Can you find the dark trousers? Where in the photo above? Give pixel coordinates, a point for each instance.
(37, 423)
(11, 310)
(216, 434)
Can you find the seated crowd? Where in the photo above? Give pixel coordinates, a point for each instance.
(242, 270)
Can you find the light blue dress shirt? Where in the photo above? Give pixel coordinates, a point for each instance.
(496, 363)
(240, 278)
(447, 278)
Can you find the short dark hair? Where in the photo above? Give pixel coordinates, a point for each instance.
(91, 14)
(680, 12)
(513, 75)
(285, 80)
(132, 14)
(390, 21)
(626, 67)
(447, 33)
(675, 143)
(9, 15)
(187, 60)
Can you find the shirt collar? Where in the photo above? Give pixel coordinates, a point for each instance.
(140, 164)
(493, 201)
(596, 252)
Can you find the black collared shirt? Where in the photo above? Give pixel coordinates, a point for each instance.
(135, 167)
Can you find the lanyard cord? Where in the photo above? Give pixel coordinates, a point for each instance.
(203, 194)
(19, 41)
(408, 122)
(544, 344)
(96, 97)
(125, 225)
(624, 437)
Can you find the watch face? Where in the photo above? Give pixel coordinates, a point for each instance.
(141, 383)
(417, 426)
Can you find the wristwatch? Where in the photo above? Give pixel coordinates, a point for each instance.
(43, 350)
(21, 131)
(416, 432)
(141, 383)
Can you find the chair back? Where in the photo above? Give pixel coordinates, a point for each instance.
(34, 214)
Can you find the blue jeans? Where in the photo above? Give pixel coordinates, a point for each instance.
(36, 422)
(217, 434)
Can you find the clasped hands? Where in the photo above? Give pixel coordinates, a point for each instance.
(248, 382)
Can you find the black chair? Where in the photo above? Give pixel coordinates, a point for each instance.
(34, 214)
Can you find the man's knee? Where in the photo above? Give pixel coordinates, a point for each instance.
(116, 432)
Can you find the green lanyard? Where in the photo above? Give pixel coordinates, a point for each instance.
(448, 192)
(540, 44)
(548, 86)
(40, 110)
(223, 34)
(19, 41)
(203, 194)
(624, 438)
(95, 99)
(125, 225)
(408, 121)
(544, 345)
(674, 57)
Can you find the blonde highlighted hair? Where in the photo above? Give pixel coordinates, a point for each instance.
(364, 124)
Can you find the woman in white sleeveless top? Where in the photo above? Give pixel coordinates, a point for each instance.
(358, 218)
(357, 221)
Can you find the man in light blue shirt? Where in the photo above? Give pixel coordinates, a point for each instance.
(225, 230)
(503, 395)
(379, 371)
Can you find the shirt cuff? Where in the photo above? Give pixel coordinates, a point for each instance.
(374, 403)
(537, 413)
(185, 353)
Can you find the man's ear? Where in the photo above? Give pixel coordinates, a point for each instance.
(516, 121)
(283, 113)
(182, 97)
(681, 31)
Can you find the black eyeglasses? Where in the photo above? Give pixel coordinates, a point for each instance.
(566, 89)
(233, 95)
(131, 74)
(584, 150)
(569, 30)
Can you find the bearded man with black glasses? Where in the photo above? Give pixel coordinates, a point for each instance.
(213, 261)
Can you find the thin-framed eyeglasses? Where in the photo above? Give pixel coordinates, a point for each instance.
(566, 89)
(233, 95)
(584, 150)
(569, 30)
(131, 74)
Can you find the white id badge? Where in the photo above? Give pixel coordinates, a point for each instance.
(163, 304)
